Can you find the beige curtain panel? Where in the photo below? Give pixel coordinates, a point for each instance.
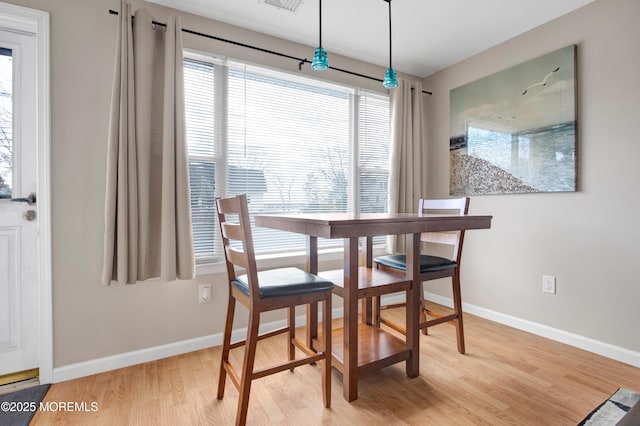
(407, 174)
(147, 207)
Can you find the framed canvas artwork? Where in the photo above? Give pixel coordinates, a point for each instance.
(515, 131)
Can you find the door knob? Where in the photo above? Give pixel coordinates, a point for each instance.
(30, 199)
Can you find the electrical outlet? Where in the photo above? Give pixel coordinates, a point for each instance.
(204, 293)
(549, 284)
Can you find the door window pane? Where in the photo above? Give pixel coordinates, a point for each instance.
(6, 121)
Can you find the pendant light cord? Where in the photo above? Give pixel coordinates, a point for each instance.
(320, 23)
(390, 56)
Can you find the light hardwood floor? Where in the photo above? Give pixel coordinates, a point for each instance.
(507, 377)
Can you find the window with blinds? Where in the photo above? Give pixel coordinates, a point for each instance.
(291, 143)
(204, 157)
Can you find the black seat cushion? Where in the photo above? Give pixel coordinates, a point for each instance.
(284, 282)
(427, 263)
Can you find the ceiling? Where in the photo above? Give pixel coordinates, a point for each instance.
(428, 35)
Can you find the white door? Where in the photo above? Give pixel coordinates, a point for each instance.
(19, 286)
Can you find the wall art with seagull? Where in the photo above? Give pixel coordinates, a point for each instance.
(513, 132)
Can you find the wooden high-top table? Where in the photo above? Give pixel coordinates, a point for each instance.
(365, 347)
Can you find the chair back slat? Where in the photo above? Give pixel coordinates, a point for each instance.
(232, 231)
(235, 227)
(237, 257)
(445, 206)
(440, 238)
(228, 205)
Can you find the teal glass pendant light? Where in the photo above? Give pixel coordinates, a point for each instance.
(320, 62)
(390, 79)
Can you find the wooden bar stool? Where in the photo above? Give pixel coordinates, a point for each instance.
(433, 267)
(265, 291)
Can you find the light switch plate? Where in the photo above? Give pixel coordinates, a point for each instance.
(549, 284)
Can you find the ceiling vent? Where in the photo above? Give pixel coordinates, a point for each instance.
(290, 5)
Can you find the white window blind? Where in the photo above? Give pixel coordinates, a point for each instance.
(199, 88)
(291, 143)
(373, 153)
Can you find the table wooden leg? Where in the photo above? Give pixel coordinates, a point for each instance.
(312, 308)
(350, 342)
(413, 304)
(312, 324)
(367, 303)
(366, 311)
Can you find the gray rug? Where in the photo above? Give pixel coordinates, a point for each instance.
(613, 409)
(17, 408)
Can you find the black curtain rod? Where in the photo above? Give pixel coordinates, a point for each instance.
(260, 49)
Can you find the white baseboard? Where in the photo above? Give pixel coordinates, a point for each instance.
(100, 365)
(605, 349)
(127, 359)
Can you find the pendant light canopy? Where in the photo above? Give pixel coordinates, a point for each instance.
(390, 80)
(320, 62)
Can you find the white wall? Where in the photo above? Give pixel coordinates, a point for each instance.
(590, 239)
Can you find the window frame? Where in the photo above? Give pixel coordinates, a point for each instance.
(215, 262)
